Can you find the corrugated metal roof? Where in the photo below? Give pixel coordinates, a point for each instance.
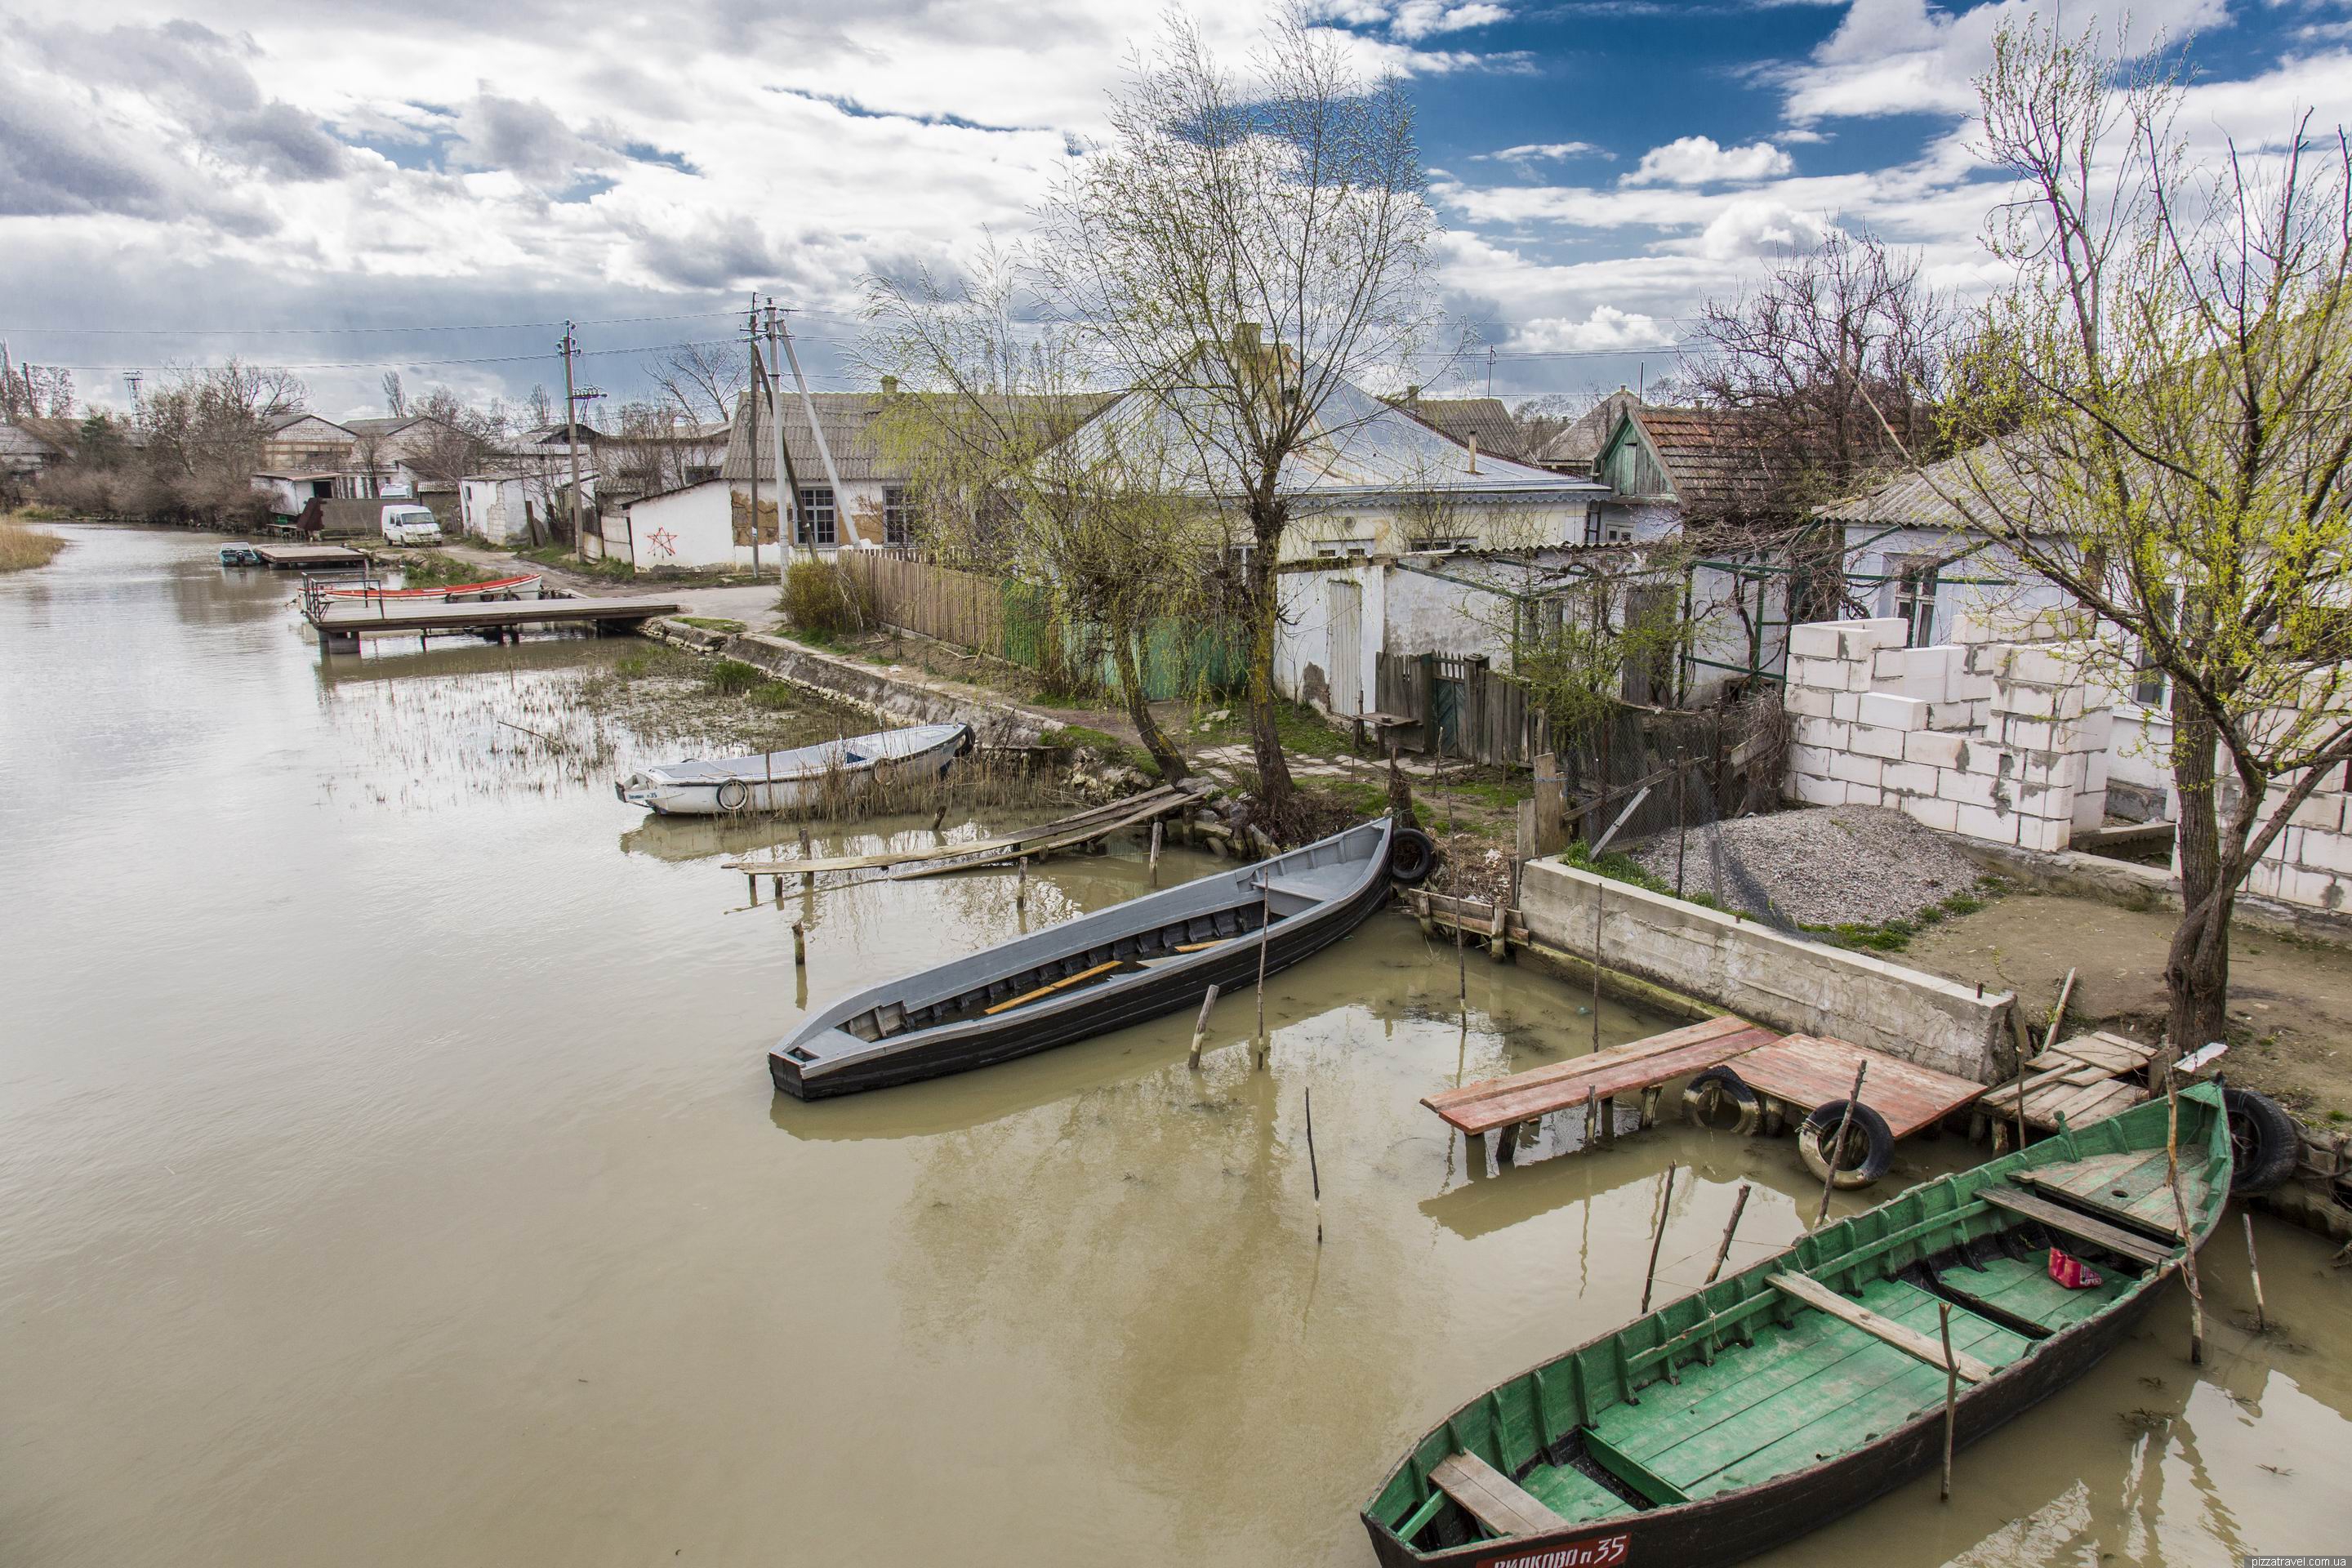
(1979, 480)
(849, 419)
(1580, 443)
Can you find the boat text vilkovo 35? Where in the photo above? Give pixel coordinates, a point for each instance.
(1135, 960)
(1763, 1406)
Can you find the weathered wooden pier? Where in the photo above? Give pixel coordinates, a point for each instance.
(342, 624)
(311, 557)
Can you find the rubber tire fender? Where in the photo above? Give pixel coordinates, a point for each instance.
(966, 746)
(1710, 1091)
(1413, 856)
(2262, 1137)
(1879, 1143)
(737, 801)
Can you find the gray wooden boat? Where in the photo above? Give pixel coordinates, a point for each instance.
(1139, 960)
(796, 780)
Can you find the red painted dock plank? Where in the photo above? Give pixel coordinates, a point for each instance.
(1809, 1071)
(1618, 1069)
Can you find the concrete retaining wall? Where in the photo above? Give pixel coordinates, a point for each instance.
(1747, 969)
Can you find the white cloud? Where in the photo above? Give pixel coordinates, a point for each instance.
(1699, 161)
(1606, 328)
(1421, 19)
(1543, 152)
(1757, 227)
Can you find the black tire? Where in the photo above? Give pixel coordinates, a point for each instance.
(734, 794)
(2263, 1142)
(1706, 1096)
(1413, 856)
(1822, 1127)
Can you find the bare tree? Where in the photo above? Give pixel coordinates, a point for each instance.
(989, 430)
(395, 399)
(456, 438)
(2157, 416)
(701, 381)
(1238, 252)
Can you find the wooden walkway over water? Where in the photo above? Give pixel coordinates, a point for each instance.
(342, 624)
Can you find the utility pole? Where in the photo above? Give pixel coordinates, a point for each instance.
(752, 447)
(808, 406)
(572, 434)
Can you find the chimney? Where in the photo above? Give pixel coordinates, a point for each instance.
(1473, 451)
(889, 386)
(1413, 394)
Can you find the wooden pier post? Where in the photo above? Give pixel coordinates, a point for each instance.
(937, 822)
(1314, 1173)
(1599, 887)
(1951, 1391)
(1591, 1114)
(1723, 1249)
(800, 945)
(1265, 935)
(1152, 863)
(2180, 1216)
(1200, 1026)
(1828, 1181)
(1658, 1239)
(2255, 1269)
(1021, 884)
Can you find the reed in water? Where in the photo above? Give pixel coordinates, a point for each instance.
(23, 548)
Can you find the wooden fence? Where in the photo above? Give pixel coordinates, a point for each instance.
(1012, 620)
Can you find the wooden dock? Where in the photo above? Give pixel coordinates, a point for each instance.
(1801, 1072)
(311, 557)
(1076, 831)
(341, 624)
(1603, 1074)
(2084, 1079)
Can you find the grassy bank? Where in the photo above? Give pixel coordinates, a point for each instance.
(23, 548)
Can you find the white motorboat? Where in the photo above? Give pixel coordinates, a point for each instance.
(796, 780)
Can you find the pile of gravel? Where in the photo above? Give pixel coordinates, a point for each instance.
(1826, 866)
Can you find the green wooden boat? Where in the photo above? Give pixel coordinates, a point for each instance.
(1741, 1418)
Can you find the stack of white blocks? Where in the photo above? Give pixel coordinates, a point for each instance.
(2310, 862)
(1976, 736)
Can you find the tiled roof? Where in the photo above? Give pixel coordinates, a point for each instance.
(1463, 418)
(1716, 468)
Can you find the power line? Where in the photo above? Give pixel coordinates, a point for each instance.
(324, 331)
(422, 364)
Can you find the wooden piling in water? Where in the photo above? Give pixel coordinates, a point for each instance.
(1152, 863)
(1200, 1026)
(2254, 1271)
(1723, 1249)
(2180, 1217)
(1314, 1173)
(1264, 934)
(800, 945)
(1592, 1116)
(1846, 1120)
(1658, 1238)
(1021, 884)
(1951, 1391)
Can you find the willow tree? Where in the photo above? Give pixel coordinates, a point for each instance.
(987, 427)
(1240, 248)
(2157, 413)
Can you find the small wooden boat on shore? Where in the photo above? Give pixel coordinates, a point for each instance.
(791, 781)
(1763, 1406)
(1139, 960)
(525, 585)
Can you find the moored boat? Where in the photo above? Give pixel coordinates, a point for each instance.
(1743, 1416)
(833, 771)
(1139, 960)
(239, 556)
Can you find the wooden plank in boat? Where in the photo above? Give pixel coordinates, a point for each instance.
(1064, 983)
(1910, 1341)
(2081, 1226)
(2132, 1189)
(1810, 1070)
(1492, 1498)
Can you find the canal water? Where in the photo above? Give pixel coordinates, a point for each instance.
(389, 1175)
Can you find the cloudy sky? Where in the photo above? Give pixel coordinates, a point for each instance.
(429, 184)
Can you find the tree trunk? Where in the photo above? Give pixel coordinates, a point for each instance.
(2197, 967)
(1170, 760)
(1276, 792)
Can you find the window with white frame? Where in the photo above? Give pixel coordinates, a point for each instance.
(814, 525)
(1914, 597)
(897, 515)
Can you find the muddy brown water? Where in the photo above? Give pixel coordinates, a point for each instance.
(389, 1174)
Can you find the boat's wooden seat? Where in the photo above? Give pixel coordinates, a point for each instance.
(1492, 1498)
(2081, 1226)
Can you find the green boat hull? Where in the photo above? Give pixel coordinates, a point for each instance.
(1741, 1418)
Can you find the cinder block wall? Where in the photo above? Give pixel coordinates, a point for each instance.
(2310, 863)
(1988, 738)
(1790, 984)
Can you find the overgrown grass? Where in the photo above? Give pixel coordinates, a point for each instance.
(564, 556)
(732, 676)
(22, 547)
(710, 623)
(1894, 935)
(1080, 737)
(1303, 731)
(434, 570)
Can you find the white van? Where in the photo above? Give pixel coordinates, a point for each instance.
(410, 524)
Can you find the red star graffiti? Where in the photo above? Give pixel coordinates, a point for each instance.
(663, 539)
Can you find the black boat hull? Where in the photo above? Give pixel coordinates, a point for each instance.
(1154, 996)
(1754, 1520)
